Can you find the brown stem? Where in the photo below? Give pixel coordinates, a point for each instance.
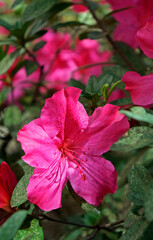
(106, 226)
(99, 23)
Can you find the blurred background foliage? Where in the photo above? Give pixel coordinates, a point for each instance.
(25, 22)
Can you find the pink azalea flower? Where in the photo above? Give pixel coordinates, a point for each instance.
(8, 182)
(65, 144)
(139, 87)
(57, 59)
(130, 20)
(88, 52)
(145, 37)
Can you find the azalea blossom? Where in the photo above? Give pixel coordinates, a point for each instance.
(131, 20)
(139, 87)
(87, 54)
(65, 144)
(57, 57)
(62, 62)
(8, 182)
(145, 36)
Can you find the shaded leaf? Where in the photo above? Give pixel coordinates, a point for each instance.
(11, 226)
(8, 60)
(148, 206)
(12, 116)
(36, 8)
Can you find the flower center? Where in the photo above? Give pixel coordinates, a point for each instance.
(72, 154)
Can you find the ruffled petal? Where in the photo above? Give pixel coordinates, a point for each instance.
(76, 117)
(100, 179)
(105, 127)
(63, 115)
(40, 150)
(45, 186)
(53, 114)
(139, 87)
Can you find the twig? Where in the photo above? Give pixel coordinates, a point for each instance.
(99, 23)
(106, 226)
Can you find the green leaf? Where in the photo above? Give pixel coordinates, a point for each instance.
(136, 231)
(122, 101)
(136, 198)
(39, 45)
(57, 8)
(91, 209)
(77, 84)
(36, 8)
(35, 232)
(139, 113)
(74, 234)
(96, 35)
(139, 180)
(148, 205)
(3, 94)
(139, 137)
(131, 55)
(30, 67)
(68, 24)
(5, 24)
(15, 3)
(8, 60)
(116, 71)
(19, 195)
(11, 226)
(131, 218)
(12, 116)
(94, 84)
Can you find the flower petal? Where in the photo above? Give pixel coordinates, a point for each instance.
(8, 182)
(139, 87)
(45, 186)
(40, 149)
(63, 115)
(144, 37)
(100, 179)
(105, 127)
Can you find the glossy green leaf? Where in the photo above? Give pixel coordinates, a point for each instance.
(139, 113)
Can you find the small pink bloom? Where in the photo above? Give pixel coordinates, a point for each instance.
(145, 38)
(139, 87)
(65, 144)
(57, 59)
(78, 8)
(130, 20)
(88, 53)
(8, 182)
